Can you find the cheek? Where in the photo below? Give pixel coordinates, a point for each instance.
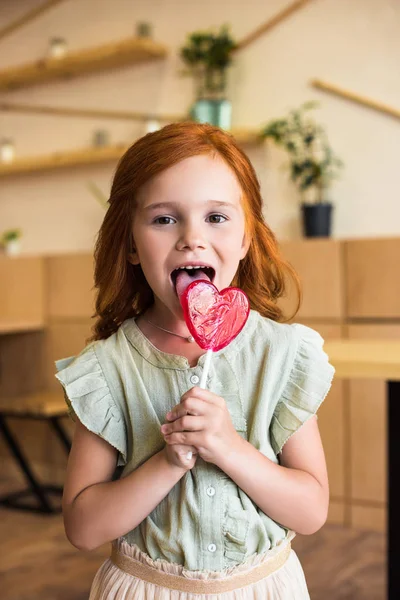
(151, 244)
(233, 244)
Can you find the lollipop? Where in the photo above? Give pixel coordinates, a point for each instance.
(213, 318)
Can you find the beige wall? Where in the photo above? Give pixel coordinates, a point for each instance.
(354, 44)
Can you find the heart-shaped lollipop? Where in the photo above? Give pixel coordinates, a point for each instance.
(214, 318)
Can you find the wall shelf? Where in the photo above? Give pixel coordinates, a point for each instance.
(20, 326)
(92, 156)
(247, 137)
(73, 64)
(56, 160)
(44, 403)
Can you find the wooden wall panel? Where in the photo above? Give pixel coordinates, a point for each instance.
(22, 290)
(64, 339)
(372, 278)
(320, 267)
(336, 514)
(327, 330)
(368, 428)
(22, 361)
(70, 286)
(368, 440)
(369, 517)
(331, 422)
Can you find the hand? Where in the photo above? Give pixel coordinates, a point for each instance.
(201, 420)
(177, 455)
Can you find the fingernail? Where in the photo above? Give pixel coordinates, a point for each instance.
(169, 415)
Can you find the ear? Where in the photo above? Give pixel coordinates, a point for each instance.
(245, 246)
(133, 257)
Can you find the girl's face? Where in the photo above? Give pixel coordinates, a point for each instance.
(188, 214)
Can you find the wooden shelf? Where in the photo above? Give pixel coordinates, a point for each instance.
(374, 358)
(73, 64)
(73, 158)
(247, 137)
(40, 404)
(92, 156)
(9, 327)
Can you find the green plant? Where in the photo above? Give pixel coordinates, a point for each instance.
(207, 55)
(313, 165)
(10, 235)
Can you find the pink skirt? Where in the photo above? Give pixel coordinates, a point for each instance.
(130, 574)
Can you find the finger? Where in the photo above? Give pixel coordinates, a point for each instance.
(191, 406)
(187, 438)
(186, 448)
(186, 423)
(202, 394)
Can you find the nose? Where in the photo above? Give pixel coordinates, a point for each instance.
(191, 237)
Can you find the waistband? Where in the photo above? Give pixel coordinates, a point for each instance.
(200, 586)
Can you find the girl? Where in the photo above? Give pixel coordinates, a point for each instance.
(185, 203)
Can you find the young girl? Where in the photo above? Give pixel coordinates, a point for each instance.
(185, 204)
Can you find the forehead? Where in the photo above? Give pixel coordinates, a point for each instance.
(197, 178)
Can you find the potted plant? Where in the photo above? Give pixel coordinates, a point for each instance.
(313, 165)
(207, 56)
(10, 241)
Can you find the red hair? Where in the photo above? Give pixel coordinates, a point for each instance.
(122, 290)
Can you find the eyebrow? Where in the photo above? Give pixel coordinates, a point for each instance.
(162, 205)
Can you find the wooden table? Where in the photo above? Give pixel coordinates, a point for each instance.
(379, 359)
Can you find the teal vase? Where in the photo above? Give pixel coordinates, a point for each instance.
(214, 111)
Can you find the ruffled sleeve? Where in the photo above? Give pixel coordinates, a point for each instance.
(89, 398)
(308, 384)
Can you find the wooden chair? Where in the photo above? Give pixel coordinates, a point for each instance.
(46, 406)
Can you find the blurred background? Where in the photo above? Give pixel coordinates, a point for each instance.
(311, 90)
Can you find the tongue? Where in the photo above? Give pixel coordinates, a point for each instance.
(183, 279)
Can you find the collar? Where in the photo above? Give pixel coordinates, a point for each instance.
(165, 360)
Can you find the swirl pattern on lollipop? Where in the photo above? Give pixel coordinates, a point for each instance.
(214, 318)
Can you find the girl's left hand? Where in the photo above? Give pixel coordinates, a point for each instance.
(202, 420)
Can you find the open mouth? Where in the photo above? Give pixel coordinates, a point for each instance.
(182, 276)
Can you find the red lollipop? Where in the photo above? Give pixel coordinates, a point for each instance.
(213, 318)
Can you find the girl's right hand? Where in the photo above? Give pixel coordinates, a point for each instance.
(177, 455)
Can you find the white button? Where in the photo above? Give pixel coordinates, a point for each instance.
(210, 491)
(212, 547)
(194, 379)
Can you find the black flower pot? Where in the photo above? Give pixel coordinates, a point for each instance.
(317, 219)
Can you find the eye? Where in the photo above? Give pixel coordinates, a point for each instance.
(164, 220)
(217, 218)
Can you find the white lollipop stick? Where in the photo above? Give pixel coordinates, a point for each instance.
(207, 363)
(203, 383)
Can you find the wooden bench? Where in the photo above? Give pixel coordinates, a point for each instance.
(46, 406)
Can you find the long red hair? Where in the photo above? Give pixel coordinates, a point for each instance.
(122, 290)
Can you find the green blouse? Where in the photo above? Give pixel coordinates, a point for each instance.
(273, 377)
